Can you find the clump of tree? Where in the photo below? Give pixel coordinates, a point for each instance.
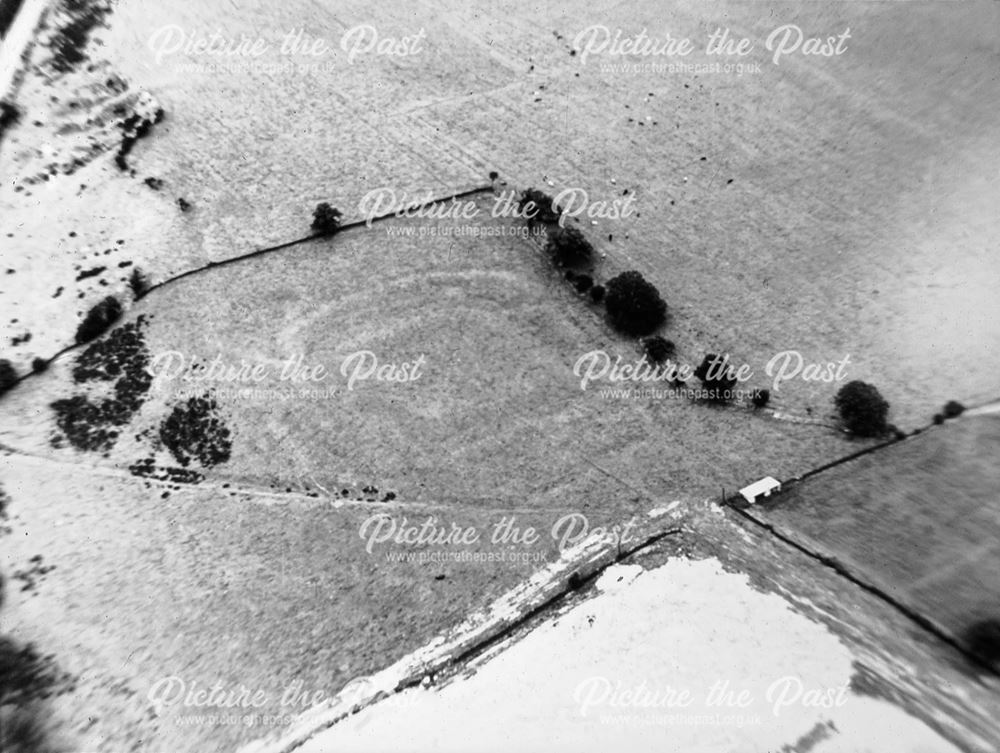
(717, 377)
(634, 305)
(536, 206)
(99, 319)
(568, 246)
(862, 409)
(658, 349)
(8, 375)
(326, 219)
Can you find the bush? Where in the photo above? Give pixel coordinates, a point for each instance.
(716, 376)
(568, 246)
(658, 349)
(760, 398)
(139, 284)
(99, 319)
(536, 206)
(583, 283)
(8, 376)
(39, 365)
(597, 293)
(9, 116)
(634, 305)
(326, 219)
(983, 639)
(862, 409)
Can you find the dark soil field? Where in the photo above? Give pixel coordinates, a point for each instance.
(920, 520)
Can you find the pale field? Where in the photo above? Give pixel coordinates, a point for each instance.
(860, 220)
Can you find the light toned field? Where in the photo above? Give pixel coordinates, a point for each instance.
(160, 590)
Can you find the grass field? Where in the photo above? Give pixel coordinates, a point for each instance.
(836, 207)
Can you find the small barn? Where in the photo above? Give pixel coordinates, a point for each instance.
(763, 488)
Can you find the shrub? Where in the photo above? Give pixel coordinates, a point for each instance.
(326, 219)
(583, 283)
(862, 409)
(716, 376)
(634, 305)
(8, 376)
(39, 365)
(536, 206)
(760, 398)
(953, 409)
(658, 349)
(99, 319)
(597, 293)
(568, 246)
(983, 639)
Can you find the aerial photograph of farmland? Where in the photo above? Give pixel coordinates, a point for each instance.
(499, 376)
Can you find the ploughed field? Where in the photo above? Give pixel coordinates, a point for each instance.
(919, 519)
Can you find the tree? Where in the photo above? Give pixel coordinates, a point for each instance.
(658, 349)
(8, 375)
(326, 219)
(583, 283)
(634, 305)
(862, 409)
(953, 409)
(99, 319)
(717, 377)
(760, 398)
(597, 293)
(568, 246)
(536, 206)
(983, 639)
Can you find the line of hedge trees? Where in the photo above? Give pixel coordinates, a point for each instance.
(636, 308)
(634, 305)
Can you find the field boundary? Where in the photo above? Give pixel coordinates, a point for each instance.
(480, 631)
(250, 255)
